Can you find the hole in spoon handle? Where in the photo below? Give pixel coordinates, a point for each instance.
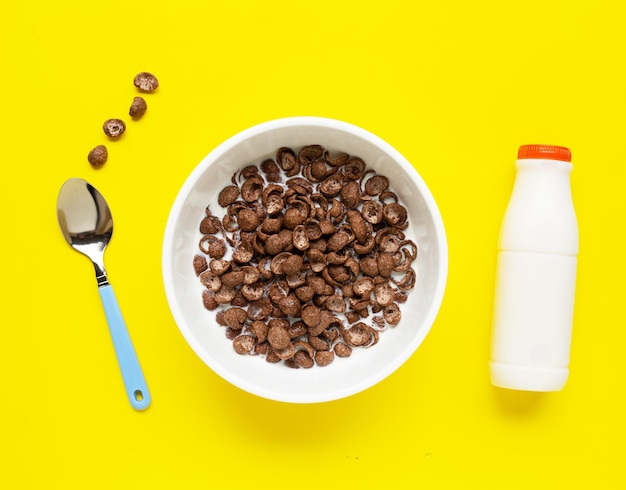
(134, 381)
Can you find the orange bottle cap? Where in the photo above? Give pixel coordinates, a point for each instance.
(544, 152)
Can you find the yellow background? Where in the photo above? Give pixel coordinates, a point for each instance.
(455, 86)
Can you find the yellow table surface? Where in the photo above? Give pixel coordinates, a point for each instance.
(454, 86)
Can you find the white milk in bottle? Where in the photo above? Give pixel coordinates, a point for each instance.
(536, 275)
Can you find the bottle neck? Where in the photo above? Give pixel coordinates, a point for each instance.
(545, 167)
(543, 176)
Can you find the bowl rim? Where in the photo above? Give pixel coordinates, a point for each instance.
(236, 139)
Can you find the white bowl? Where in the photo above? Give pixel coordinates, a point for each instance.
(345, 376)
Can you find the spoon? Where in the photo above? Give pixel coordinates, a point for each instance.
(86, 222)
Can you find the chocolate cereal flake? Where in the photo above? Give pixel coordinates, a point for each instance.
(138, 108)
(114, 128)
(98, 156)
(146, 82)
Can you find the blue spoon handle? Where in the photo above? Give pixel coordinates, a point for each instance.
(134, 381)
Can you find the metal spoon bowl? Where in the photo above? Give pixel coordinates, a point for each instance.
(87, 225)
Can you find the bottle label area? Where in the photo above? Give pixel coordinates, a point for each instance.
(534, 305)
